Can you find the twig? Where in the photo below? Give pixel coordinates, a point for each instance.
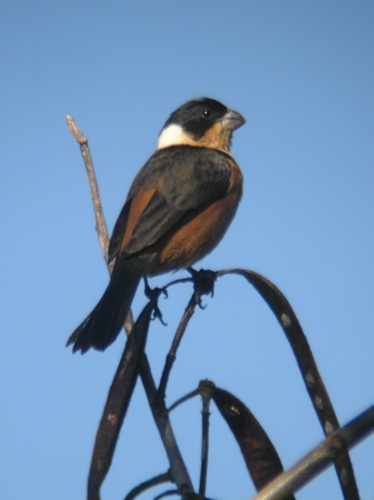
(319, 458)
(146, 485)
(117, 403)
(203, 282)
(161, 418)
(171, 356)
(206, 389)
(101, 227)
(183, 399)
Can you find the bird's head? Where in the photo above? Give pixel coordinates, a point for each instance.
(201, 122)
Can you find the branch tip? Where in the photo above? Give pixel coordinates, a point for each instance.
(78, 135)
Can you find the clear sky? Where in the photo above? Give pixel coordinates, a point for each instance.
(302, 74)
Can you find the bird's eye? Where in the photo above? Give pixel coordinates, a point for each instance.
(207, 114)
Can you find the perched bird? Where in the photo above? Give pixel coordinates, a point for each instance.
(177, 210)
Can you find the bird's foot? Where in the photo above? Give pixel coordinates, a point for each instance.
(203, 283)
(153, 294)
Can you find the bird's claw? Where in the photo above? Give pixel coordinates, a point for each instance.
(153, 294)
(203, 283)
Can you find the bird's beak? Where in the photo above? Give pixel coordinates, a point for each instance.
(232, 120)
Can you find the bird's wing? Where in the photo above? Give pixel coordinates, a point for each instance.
(174, 184)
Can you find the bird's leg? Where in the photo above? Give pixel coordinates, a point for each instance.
(153, 294)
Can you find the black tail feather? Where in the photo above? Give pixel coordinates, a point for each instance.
(103, 324)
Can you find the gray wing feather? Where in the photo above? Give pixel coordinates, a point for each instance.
(187, 179)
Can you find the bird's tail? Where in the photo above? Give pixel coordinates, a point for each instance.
(105, 321)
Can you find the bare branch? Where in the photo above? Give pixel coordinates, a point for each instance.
(206, 389)
(183, 399)
(160, 415)
(117, 403)
(172, 354)
(166, 477)
(319, 458)
(203, 281)
(101, 227)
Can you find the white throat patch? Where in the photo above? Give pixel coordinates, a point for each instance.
(173, 135)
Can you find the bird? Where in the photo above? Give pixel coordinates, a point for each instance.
(177, 210)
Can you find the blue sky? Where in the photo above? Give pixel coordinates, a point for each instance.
(302, 75)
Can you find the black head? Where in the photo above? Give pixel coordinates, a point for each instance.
(198, 115)
(205, 122)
